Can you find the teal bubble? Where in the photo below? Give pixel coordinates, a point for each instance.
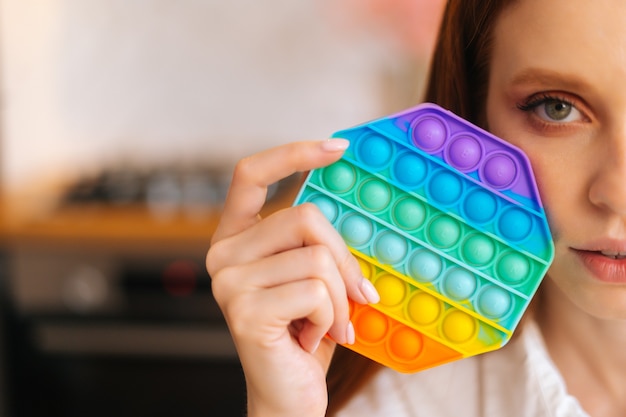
(513, 268)
(444, 232)
(356, 230)
(459, 284)
(480, 206)
(409, 213)
(424, 266)
(339, 177)
(445, 188)
(494, 302)
(374, 195)
(327, 206)
(374, 150)
(410, 170)
(390, 248)
(515, 224)
(478, 250)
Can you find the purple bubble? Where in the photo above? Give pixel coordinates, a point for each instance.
(464, 153)
(429, 134)
(500, 171)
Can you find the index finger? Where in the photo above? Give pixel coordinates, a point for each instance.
(254, 174)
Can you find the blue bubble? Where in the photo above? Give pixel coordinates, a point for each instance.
(480, 206)
(445, 188)
(459, 284)
(327, 206)
(356, 230)
(390, 248)
(494, 302)
(410, 170)
(515, 224)
(425, 266)
(375, 151)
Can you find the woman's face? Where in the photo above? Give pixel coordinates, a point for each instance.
(558, 91)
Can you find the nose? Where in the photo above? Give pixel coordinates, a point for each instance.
(608, 186)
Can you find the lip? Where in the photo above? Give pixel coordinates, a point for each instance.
(603, 268)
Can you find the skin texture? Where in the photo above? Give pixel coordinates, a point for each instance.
(557, 89)
(573, 128)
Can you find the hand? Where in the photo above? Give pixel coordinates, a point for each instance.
(283, 283)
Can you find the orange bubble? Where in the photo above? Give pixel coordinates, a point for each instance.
(371, 326)
(405, 344)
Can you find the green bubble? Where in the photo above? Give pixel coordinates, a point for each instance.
(513, 268)
(339, 177)
(409, 213)
(374, 195)
(478, 250)
(444, 232)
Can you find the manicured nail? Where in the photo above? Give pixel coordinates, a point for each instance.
(335, 144)
(369, 291)
(313, 348)
(350, 336)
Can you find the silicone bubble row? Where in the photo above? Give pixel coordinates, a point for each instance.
(465, 150)
(434, 317)
(454, 287)
(384, 239)
(444, 190)
(396, 345)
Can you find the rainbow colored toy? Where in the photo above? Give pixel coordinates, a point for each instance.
(447, 223)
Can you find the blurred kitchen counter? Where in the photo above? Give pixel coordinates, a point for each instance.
(129, 225)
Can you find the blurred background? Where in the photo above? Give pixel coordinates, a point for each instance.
(120, 122)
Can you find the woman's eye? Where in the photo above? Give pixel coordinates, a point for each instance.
(553, 110)
(558, 111)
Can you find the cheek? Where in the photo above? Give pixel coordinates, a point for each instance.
(556, 192)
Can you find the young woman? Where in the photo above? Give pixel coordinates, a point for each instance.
(548, 76)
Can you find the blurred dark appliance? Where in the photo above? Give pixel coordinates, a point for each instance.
(94, 333)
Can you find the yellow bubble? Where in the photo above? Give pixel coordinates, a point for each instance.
(405, 344)
(424, 308)
(371, 326)
(392, 290)
(366, 268)
(459, 327)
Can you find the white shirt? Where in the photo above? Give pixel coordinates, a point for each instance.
(518, 380)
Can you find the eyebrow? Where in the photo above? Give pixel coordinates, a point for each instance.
(543, 76)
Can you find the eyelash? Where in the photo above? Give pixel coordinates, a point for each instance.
(537, 100)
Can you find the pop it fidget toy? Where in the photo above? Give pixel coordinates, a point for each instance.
(446, 222)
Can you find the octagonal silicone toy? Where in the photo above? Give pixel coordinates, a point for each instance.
(447, 223)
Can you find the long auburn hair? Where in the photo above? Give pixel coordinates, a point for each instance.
(458, 77)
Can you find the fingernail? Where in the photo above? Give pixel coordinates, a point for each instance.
(313, 348)
(335, 144)
(350, 334)
(369, 291)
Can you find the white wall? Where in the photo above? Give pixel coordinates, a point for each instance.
(87, 82)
